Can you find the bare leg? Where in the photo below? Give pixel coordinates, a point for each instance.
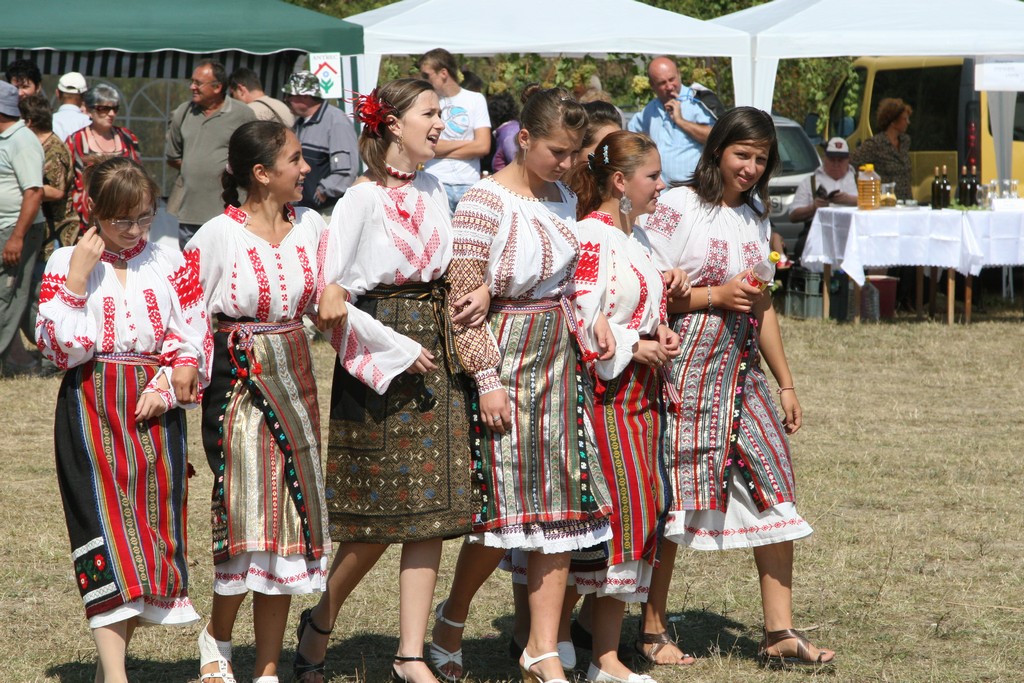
(546, 577)
(606, 630)
(351, 563)
(112, 646)
(222, 622)
(476, 563)
(654, 613)
(270, 618)
(775, 571)
(416, 593)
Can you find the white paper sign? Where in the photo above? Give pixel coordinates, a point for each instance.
(327, 67)
(1005, 74)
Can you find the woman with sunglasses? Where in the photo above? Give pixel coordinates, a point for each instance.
(98, 141)
(118, 313)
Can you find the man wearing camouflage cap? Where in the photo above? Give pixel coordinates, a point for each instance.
(328, 140)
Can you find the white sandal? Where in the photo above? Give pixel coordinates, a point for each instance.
(529, 675)
(441, 657)
(211, 651)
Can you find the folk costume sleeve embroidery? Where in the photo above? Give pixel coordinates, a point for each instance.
(383, 236)
(615, 276)
(159, 312)
(521, 248)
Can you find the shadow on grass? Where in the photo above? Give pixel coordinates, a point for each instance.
(180, 671)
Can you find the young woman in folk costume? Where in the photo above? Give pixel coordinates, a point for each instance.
(726, 450)
(398, 464)
(617, 183)
(534, 447)
(122, 317)
(261, 422)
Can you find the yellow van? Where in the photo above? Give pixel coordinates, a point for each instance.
(950, 124)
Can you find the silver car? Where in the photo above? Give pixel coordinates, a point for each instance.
(799, 159)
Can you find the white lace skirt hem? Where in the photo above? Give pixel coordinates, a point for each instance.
(270, 574)
(538, 537)
(151, 611)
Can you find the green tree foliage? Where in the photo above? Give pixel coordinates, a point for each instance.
(802, 86)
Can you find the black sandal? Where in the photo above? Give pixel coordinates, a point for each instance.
(397, 677)
(300, 665)
(803, 651)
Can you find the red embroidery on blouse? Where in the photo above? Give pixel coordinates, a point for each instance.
(289, 213)
(70, 299)
(752, 254)
(664, 220)
(546, 257)
(108, 324)
(153, 309)
(263, 302)
(186, 280)
(60, 358)
(51, 286)
(716, 264)
(589, 263)
(309, 280)
(638, 312)
(236, 214)
(126, 255)
(605, 218)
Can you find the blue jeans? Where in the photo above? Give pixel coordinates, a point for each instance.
(455, 193)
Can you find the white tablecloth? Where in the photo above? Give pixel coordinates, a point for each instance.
(854, 240)
(1000, 234)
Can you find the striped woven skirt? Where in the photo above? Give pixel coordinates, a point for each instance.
(261, 433)
(542, 479)
(123, 486)
(627, 424)
(726, 452)
(398, 464)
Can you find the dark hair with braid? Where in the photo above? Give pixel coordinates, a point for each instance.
(739, 125)
(591, 178)
(546, 111)
(253, 143)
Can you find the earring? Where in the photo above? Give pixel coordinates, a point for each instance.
(625, 205)
(401, 143)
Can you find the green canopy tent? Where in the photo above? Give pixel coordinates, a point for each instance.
(122, 38)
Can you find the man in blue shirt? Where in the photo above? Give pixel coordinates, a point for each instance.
(676, 120)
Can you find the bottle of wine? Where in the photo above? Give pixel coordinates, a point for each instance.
(973, 193)
(937, 190)
(947, 189)
(963, 188)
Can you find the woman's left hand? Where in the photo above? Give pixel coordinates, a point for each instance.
(185, 381)
(605, 338)
(150, 405)
(473, 307)
(677, 282)
(332, 310)
(669, 341)
(794, 413)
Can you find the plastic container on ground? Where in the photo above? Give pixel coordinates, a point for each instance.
(802, 298)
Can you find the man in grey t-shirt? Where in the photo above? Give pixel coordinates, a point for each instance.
(197, 145)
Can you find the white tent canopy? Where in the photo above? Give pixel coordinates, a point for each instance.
(833, 28)
(547, 27)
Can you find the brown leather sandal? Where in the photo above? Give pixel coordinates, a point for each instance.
(659, 641)
(803, 651)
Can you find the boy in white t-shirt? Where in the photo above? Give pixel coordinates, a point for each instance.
(467, 126)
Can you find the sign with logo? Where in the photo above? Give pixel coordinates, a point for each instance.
(327, 68)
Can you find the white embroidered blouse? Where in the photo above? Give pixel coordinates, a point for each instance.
(713, 244)
(521, 247)
(616, 276)
(158, 312)
(384, 236)
(245, 276)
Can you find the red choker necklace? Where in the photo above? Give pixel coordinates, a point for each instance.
(401, 175)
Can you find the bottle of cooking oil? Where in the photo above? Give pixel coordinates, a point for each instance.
(869, 188)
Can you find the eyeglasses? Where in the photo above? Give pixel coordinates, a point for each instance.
(126, 224)
(104, 109)
(200, 84)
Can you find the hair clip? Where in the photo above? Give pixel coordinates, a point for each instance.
(590, 161)
(373, 111)
(605, 151)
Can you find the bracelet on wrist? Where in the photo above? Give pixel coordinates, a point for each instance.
(781, 389)
(710, 305)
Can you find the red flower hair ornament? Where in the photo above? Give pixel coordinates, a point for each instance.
(373, 112)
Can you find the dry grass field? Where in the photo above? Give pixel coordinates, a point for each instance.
(908, 468)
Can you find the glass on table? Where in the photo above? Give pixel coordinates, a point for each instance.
(1014, 194)
(993, 190)
(1006, 189)
(888, 194)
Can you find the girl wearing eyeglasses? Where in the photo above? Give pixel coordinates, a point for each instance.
(118, 314)
(98, 141)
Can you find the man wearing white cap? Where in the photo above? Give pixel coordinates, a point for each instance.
(69, 117)
(832, 183)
